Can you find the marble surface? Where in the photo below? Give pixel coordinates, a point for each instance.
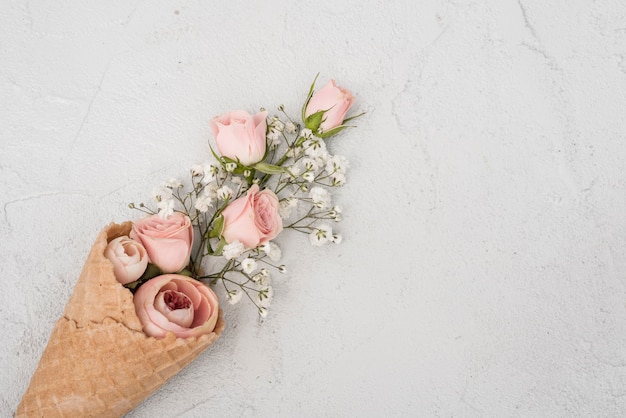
(482, 271)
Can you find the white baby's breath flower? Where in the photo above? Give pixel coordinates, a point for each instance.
(161, 193)
(274, 142)
(306, 133)
(230, 167)
(203, 203)
(224, 193)
(337, 164)
(336, 238)
(273, 135)
(320, 197)
(282, 268)
(278, 125)
(233, 250)
(263, 278)
(286, 207)
(248, 265)
(309, 177)
(337, 179)
(275, 127)
(263, 312)
(221, 173)
(173, 184)
(197, 170)
(234, 296)
(290, 128)
(272, 250)
(265, 296)
(315, 147)
(294, 170)
(165, 207)
(206, 171)
(320, 235)
(311, 164)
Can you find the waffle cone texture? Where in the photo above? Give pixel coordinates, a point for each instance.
(98, 362)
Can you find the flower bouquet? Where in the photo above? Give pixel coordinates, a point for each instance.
(144, 305)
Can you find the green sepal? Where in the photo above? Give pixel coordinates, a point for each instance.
(314, 121)
(218, 227)
(308, 98)
(217, 157)
(334, 131)
(354, 117)
(223, 160)
(266, 168)
(185, 272)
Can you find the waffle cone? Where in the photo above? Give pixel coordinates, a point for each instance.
(98, 361)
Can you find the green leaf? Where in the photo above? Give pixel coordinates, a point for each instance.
(308, 97)
(219, 249)
(218, 227)
(269, 168)
(151, 272)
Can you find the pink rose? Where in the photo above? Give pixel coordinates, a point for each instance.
(252, 219)
(167, 241)
(178, 304)
(129, 258)
(335, 101)
(240, 136)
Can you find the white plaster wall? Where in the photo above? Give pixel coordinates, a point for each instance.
(482, 271)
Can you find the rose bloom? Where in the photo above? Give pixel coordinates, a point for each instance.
(167, 241)
(252, 219)
(178, 304)
(240, 136)
(129, 259)
(335, 101)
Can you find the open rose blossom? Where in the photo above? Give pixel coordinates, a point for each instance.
(129, 258)
(335, 101)
(178, 304)
(167, 241)
(252, 219)
(240, 136)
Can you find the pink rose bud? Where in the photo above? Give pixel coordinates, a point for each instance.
(177, 304)
(129, 259)
(240, 136)
(252, 219)
(334, 101)
(167, 241)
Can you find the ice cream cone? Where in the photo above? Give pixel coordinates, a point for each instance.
(98, 361)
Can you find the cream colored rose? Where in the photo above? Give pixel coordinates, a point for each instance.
(129, 258)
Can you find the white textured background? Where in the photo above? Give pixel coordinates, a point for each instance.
(482, 271)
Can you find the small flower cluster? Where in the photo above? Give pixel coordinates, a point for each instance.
(269, 174)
